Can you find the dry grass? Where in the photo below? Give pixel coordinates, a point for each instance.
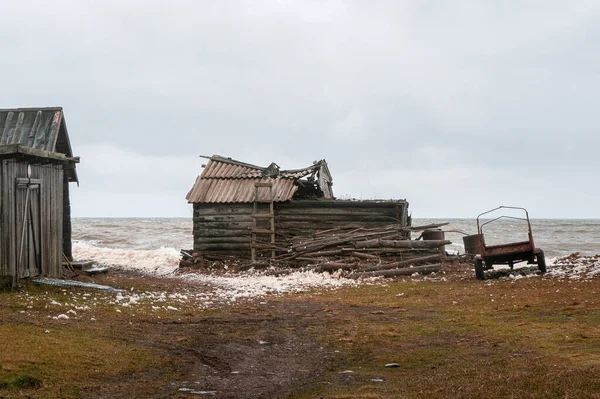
(530, 338)
(66, 361)
(58, 358)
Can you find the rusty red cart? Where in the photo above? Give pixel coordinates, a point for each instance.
(508, 254)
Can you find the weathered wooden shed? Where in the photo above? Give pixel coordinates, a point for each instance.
(239, 206)
(36, 167)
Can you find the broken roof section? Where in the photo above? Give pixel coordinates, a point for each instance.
(225, 180)
(43, 129)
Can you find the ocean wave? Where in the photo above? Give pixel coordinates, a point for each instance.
(160, 262)
(225, 288)
(571, 231)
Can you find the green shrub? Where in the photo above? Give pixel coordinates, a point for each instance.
(26, 381)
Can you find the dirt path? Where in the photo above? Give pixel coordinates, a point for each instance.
(254, 352)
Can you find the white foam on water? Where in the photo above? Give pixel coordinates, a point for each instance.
(159, 262)
(229, 287)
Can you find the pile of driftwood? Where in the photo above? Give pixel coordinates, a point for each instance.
(364, 252)
(382, 251)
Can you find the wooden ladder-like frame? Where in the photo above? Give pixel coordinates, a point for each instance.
(262, 216)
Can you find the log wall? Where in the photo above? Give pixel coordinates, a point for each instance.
(45, 240)
(223, 229)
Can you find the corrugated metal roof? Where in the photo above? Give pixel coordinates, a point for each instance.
(239, 190)
(226, 180)
(223, 170)
(226, 168)
(40, 128)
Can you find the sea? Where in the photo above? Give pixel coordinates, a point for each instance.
(154, 244)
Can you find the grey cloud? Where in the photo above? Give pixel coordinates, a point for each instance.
(454, 105)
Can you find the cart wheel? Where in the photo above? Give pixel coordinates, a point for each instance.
(479, 269)
(541, 261)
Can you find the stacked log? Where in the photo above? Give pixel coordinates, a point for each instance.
(364, 252)
(382, 251)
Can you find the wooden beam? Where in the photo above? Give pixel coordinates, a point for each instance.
(12, 149)
(404, 263)
(406, 271)
(379, 243)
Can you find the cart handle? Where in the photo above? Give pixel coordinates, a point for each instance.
(510, 217)
(503, 206)
(500, 217)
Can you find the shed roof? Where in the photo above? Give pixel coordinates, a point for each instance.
(43, 129)
(225, 180)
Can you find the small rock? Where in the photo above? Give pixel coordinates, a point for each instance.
(377, 379)
(392, 365)
(96, 270)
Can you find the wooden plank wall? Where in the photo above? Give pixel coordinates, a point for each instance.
(67, 230)
(304, 218)
(45, 206)
(11, 214)
(224, 228)
(52, 219)
(9, 228)
(6, 227)
(19, 211)
(3, 262)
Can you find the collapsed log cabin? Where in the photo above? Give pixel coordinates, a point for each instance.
(36, 167)
(251, 211)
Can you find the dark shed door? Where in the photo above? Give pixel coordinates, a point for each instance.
(28, 227)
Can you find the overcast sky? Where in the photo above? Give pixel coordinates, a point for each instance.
(457, 106)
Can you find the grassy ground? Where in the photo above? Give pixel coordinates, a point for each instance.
(531, 338)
